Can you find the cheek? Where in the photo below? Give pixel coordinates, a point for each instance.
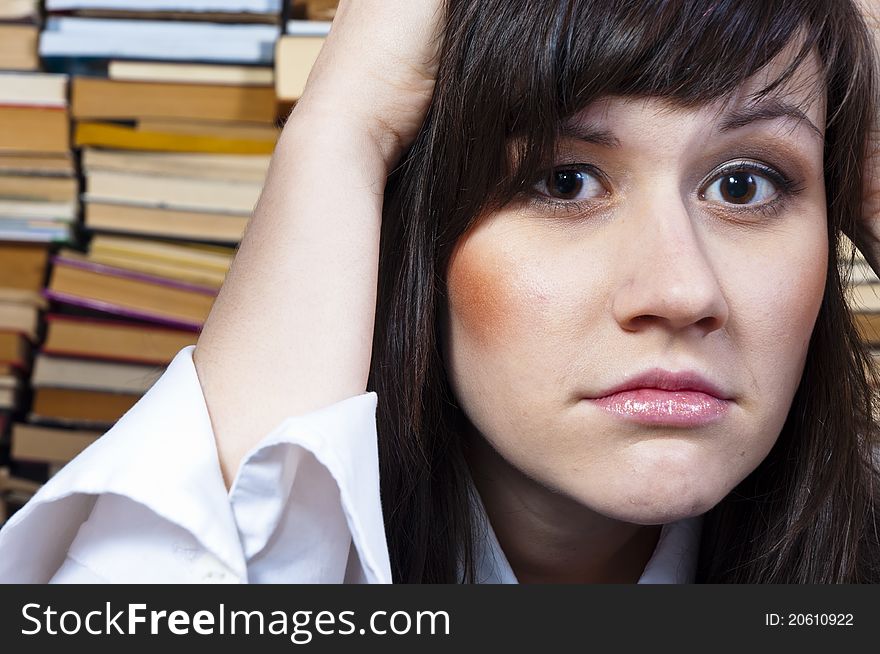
(780, 303)
(800, 308)
(495, 298)
(477, 300)
(798, 288)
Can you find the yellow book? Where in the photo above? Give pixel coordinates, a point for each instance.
(212, 257)
(107, 135)
(162, 269)
(188, 263)
(221, 130)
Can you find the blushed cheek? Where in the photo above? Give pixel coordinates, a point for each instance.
(493, 297)
(477, 297)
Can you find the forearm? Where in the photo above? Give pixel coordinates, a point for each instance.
(291, 329)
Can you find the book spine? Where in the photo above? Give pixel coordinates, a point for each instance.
(104, 269)
(107, 307)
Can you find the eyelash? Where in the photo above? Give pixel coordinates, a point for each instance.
(786, 188)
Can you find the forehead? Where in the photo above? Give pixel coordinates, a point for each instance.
(802, 92)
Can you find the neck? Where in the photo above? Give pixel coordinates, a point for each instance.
(548, 537)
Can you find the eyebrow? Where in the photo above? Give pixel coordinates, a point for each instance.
(766, 110)
(589, 134)
(770, 109)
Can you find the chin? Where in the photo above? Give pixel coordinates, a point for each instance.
(658, 511)
(656, 491)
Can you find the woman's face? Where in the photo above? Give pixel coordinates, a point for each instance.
(690, 241)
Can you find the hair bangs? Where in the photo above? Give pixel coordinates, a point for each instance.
(538, 73)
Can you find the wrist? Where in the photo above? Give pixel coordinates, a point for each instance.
(375, 147)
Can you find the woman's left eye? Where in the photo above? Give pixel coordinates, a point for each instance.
(742, 186)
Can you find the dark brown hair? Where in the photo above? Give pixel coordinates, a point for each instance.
(510, 72)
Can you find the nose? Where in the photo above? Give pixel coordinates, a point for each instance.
(666, 277)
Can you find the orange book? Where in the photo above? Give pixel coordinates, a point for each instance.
(112, 340)
(15, 349)
(23, 265)
(94, 98)
(34, 129)
(75, 406)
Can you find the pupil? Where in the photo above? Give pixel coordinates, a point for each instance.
(567, 183)
(739, 187)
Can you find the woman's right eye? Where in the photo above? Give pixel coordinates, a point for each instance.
(571, 183)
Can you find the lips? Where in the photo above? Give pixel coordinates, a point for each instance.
(660, 397)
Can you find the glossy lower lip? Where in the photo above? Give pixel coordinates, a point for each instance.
(652, 406)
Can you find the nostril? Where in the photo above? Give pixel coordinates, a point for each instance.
(642, 321)
(706, 324)
(710, 323)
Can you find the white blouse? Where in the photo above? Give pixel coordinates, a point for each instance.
(146, 503)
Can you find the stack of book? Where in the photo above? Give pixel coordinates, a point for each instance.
(22, 272)
(19, 30)
(863, 296)
(38, 186)
(38, 207)
(117, 315)
(175, 146)
(176, 117)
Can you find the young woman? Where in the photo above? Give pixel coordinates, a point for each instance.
(585, 253)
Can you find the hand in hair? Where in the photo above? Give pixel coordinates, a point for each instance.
(291, 330)
(378, 67)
